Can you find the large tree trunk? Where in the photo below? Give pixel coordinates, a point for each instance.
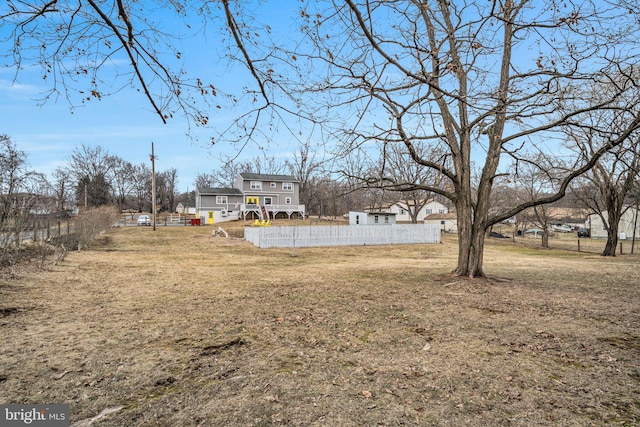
(612, 235)
(464, 240)
(545, 237)
(470, 249)
(471, 233)
(614, 213)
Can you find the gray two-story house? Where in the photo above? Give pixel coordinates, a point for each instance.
(254, 196)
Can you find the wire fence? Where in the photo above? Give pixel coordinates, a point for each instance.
(584, 244)
(36, 230)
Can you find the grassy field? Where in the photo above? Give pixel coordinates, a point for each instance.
(181, 328)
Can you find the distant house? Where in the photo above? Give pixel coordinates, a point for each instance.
(403, 209)
(223, 201)
(574, 217)
(183, 208)
(448, 222)
(630, 220)
(253, 196)
(371, 218)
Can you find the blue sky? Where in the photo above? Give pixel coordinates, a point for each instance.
(124, 123)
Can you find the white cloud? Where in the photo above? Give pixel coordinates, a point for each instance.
(18, 89)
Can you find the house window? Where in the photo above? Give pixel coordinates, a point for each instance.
(268, 200)
(272, 185)
(429, 211)
(441, 211)
(287, 200)
(256, 185)
(386, 219)
(376, 219)
(287, 186)
(357, 219)
(221, 200)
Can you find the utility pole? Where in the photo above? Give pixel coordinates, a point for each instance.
(153, 188)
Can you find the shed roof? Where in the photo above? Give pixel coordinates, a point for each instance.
(441, 216)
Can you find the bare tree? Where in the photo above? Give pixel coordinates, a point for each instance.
(90, 161)
(534, 181)
(13, 167)
(225, 176)
(78, 44)
(166, 182)
(204, 180)
(306, 168)
(17, 197)
(408, 181)
(456, 76)
(61, 184)
(142, 186)
(171, 182)
(607, 188)
(122, 181)
(270, 165)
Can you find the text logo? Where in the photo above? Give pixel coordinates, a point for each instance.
(34, 415)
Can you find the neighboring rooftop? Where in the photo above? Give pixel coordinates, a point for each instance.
(267, 177)
(220, 191)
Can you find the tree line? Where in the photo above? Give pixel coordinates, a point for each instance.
(91, 177)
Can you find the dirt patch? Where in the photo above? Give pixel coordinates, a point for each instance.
(177, 327)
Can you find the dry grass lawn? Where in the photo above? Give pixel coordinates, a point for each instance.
(179, 328)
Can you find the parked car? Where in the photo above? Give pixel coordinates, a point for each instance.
(562, 228)
(584, 232)
(497, 235)
(144, 220)
(534, 231)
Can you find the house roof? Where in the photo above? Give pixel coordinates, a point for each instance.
(413, 202)
(267, 177)
(441, 216)
(220, 191)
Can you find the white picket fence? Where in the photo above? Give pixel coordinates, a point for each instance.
(351, 235)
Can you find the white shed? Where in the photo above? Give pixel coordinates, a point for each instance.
(448, 222)
(630, 220)
(371, 218)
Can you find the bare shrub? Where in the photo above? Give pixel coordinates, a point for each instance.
(91, 223)
(16, 224)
